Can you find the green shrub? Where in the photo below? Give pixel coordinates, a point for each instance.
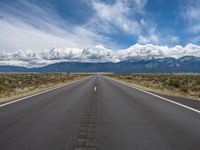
(173, 82)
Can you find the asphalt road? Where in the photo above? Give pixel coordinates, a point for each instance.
(98, 113)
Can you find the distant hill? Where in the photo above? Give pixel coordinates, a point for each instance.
(13, 69)
(187, 64)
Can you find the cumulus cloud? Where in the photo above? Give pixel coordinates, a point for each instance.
(127, 16)
(27, 25)
(28, 32)
(116, 15)
(96, 54)
(156, 51)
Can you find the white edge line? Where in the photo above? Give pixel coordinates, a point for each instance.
(23, 98)
(166, 99)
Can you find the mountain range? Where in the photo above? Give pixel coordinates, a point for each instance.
(186, 64)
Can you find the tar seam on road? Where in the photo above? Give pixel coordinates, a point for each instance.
(23, 98)
(87, 138)
(160, 97)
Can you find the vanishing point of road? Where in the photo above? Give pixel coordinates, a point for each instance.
(98, 113)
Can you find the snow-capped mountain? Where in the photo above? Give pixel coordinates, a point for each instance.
(96, 54)
(137, 58)
(186, 64)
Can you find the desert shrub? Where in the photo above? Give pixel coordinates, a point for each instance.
(13, 83)
(184, 89)
(174, 82)
(2, 88)
(128, 78)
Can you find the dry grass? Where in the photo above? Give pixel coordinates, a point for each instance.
(17, 85)
(170, 84)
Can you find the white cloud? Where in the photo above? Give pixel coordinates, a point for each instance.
(26, 25)
(27, 39)
(130, 17)
(148, 39)
(191, 13)
(195, 28)
(173, 39)
(156, 51)
(140, 3)
(120, 15)
(96, 54)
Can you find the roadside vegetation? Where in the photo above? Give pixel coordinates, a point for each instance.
(170, 84)
(16, 85)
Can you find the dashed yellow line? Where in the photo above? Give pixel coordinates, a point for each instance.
(95, 88)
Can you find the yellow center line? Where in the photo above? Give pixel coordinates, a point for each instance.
(95, 88)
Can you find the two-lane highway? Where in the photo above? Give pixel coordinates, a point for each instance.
(49, 121)
(98, 113)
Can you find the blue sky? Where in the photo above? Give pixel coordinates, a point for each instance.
(35, 26)
(115, 24)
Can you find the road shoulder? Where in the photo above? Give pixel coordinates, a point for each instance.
(182, 101)
(4, 102)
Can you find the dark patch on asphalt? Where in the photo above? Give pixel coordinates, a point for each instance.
(87, 138)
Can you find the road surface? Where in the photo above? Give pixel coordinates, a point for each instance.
(98, 113)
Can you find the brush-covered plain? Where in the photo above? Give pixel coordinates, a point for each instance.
(171, 84)
(17, 85)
